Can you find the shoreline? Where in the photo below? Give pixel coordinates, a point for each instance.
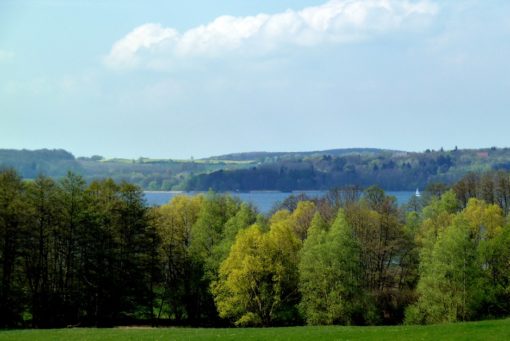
(261, 191)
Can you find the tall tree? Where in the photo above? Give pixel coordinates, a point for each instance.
(174, 224)
(135, 243)
(206, 234)
(385, 252)
(330, 268)
(302, 218)
(42, 252)
(13, 213)
(73, 215)
(447, 289)
(115, 249)
(244, 217)
(257, 283)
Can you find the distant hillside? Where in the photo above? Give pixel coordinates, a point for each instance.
(152, 174)
(30, 163)
(390, 169)
(395, 170)
(261, 156)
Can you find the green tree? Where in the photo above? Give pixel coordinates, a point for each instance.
(330, 268)
(495, 259)
(206, 234)
(257, 282)
(42, 251)
(132, 232)
(302, 218)
(460, 249)
(449, 284)
(487, 228)
(117, 249)
(13, 213)
(99, 254)
(386, 253)
(71, 227)
(208, 230)
(244, 218)
(174, 224)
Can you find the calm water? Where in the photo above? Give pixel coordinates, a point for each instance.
(264, 201)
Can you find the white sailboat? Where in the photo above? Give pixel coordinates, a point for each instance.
(417, 194)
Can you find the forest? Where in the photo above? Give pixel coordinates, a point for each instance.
(74, 253)
(317, 170)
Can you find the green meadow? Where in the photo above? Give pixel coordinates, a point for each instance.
(484, 330)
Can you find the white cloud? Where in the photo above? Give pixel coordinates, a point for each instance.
(6, 56)
(149, 36)
(337, 21)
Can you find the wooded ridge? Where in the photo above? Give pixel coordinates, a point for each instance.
(318, 170)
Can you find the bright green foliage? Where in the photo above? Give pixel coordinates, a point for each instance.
(487, 228)
(435, 218)
(485, 221)
(174, 223)
(448, 286)
(207, 231)
(413, 222)
(240, 291)
(316, 234)
(245, 217)
(206, 235)
(78, 254)
(302, 218)
(197, 234)
(437, 215)
(330, 271)
(257, 283)
(461, 266)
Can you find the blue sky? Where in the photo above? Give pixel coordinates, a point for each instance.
(198, 78)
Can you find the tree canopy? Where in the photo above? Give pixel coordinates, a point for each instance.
(74, 253)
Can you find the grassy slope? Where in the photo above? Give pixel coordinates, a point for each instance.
(485, 330)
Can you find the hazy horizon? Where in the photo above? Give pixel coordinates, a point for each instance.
(134, 157)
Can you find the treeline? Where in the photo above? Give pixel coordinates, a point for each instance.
(387, 169)
(30, 163)
(149, 174)
(319, 170)
(73, 254)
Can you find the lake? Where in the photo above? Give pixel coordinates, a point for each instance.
(263, 200)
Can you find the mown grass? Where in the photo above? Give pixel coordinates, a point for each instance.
(484, 330)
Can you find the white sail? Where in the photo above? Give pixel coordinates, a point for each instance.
(417, 193)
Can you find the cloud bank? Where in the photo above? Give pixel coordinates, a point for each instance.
(337, 21)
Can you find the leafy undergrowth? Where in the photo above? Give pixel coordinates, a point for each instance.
(484, 330)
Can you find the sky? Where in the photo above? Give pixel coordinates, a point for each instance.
(195, 78)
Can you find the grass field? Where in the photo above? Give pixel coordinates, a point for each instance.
(485, 330)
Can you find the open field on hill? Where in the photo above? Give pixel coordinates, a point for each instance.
(484, 330)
